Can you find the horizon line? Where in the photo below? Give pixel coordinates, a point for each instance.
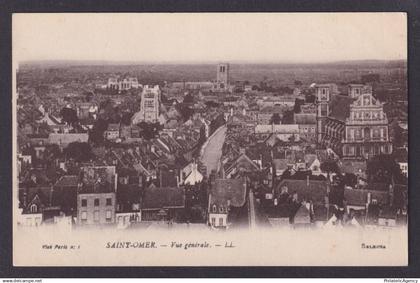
(196, 62)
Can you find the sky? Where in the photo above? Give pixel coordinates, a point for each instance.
(210, 37)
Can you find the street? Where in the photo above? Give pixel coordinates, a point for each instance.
(212, 151)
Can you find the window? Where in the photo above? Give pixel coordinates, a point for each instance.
(376, 134)
(324, 110)
(366, 132)
(221, 221)
(96, 203)
(84, 202)
(34, 208)
(83, 215)
(213, 221)
(109, 201)
(149, 104)
(108, 215)
(96, 216)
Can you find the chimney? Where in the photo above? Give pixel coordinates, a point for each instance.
(307, 180)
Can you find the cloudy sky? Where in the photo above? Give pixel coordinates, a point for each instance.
(273, 37)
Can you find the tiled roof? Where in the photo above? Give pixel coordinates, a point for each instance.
(359, 197)
(44, 194)
(158, 198)
(280, 164)
(349, 166)
(304, 119)
(67, 181)
(113, 127)
(308, 190)
(232, 190)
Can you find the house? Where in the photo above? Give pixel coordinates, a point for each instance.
(32, 202)
(225, 195)
(401, 157)
(307, 125)
(126, 219)
(96, 198)
(282, 132)
(163, 204)
(313, 164)
(112, 132)
(194, 176)
(64, 194)
(355, 167)
(240, 166)
(303, 216)
(387, 217)
(311, 193)
(280, 166)
(130, 190)
(64, 139)
(360, 199)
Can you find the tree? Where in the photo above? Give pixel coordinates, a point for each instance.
(350, 179)
(69, 115)
(88, 96)
(79, 151)
(212, 104)
(188, 98)
(96, 135)
(185, 111)
(287, 117)
(275, 119)
(298, 103)
(382, 168)
(330, 166)
(149, 130)
(310, 98)
(126, 118)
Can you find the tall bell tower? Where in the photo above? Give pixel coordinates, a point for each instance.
(223, 75)
(323, 97)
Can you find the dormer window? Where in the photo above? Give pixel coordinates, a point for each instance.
(34, 208)
(214, 208)
(221, 209)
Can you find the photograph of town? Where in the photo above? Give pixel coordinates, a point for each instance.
(123, 128)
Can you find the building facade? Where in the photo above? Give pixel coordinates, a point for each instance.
(149, 105)
(96, 197)
(366, 130)
(95, 208)
(124, 84)
(354, 126)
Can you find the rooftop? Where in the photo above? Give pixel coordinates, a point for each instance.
(160, 198)
(228, 190)
(340, 107)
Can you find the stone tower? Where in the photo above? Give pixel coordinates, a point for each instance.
(223, 75)
(323, 97)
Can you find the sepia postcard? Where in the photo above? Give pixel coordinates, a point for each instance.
(210, 139)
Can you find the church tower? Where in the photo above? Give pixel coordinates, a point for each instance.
(323, 97)
(222, 78)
